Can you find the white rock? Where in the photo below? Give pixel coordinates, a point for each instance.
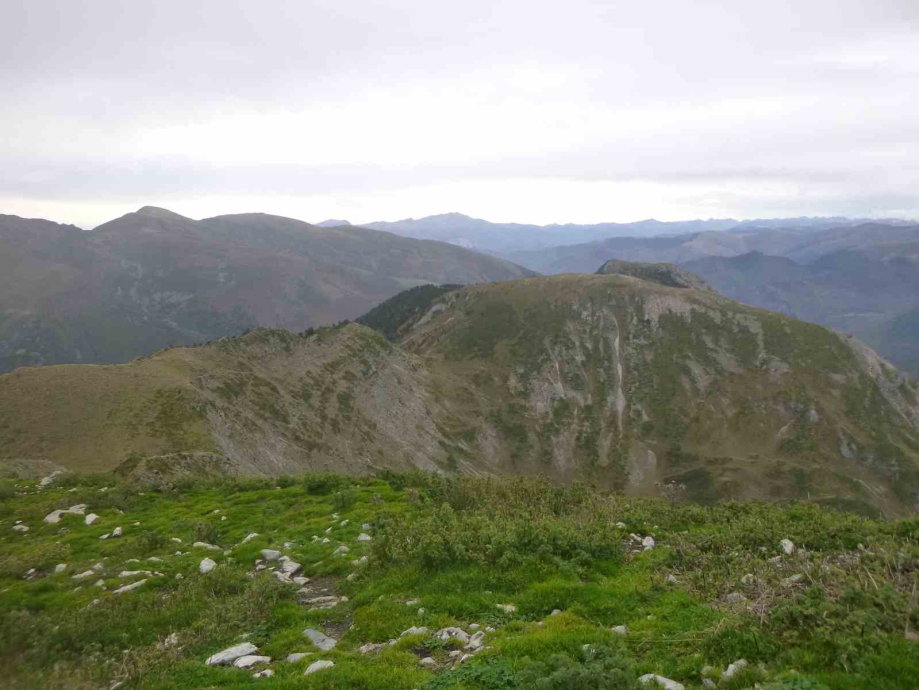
(176, 540)
(180, 576)
(370, 647)
(289, 567)
(555, 612)
(300, 580)
(249, 537)
(648, 543)
(55, 516)
(205, 545)
(474, 626)
(154, 559)
(128, 588)
(446, 634)
(231, 654)
(662, 682)
(22, 529)
(60, 567)
(172, 640)
(734, 668)
(414, 631)
(251, 660)
(223, 518)
(420, 612)
(46, 481)
(325, 540)
(366, 526)
(620, 525)
(364, 537)
(267, 673)
(324, 642)
(620, 630)
(99, 583)
(793, 580)
(787, 546)
(412, 602)
(292, 658)
(206, 566)
(708, 683)
(427, 661)
(105, 536)
(91, 518)
(117, 532)
(341, 550)
(344, 523)
(318, 666)
(507, 608)
(281, 577)
(134, 573)
(735, 598)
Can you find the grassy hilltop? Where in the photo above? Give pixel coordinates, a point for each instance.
(547, 571)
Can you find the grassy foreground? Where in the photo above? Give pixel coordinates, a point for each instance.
(839, 612)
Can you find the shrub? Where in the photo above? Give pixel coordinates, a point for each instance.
(206, 532)
(323, 484)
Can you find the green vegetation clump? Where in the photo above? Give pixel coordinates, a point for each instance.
(390, 317)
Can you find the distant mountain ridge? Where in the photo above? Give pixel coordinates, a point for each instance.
(154, 278)
(509, 239)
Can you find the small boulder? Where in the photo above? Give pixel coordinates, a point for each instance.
(295, 657)
(206, 566)
(341, 550)
(647, 543)
(251, 660)
(324, 642)
(249, 538)
(22, 529)
(369, 648)
(205, 545)
(507, 608)
(364, 537)
(427, 662)
(117, 532)
(735, 598)
(318, 666)
(733, 669)
(267, 673)
(128, 588)
(414, 631)
(661, 682)
(270, 554)
(60, 567)
(91, 518)
(787, 546)
(231, 654)
(620, 630)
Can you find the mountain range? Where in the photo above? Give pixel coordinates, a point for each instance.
(626, 378)
(154, 278)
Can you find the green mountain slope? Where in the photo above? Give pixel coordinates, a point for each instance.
(153, 278)
(620, 380)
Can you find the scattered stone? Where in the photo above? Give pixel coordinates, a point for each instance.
(154, 559)
(206, 566)
(281, 577)
(662, 682)
(351, 577)
(364, 537)
(620, 525)
(300, 580)
(427, 661)
(343, 523)
(249, 538)
(671, 579)
(180, 576)
(128, 588)
(414, 631)
(455, 653)
(289, 567)
(223, 518)
(172, 640)
(647, 543)
(341, 550)
(60, 567)
(105, 536)
(326, 540)
(117, 532)
(267, 673)
(708, 683)
(318, 666)
(748, 579)
(421, 612)
(55, 516)
(734, 668)
(555, 612)
(251, 660)
(176, 540)
(324, 642)
(793, 580)
(99, 583)
(474, 626)
(231, 654)
(369, 648)
(324, 602)
(293, 658)
(507, 608)
(489, 629)
(787, 546)
(46, 481)
(205, 545)
(412, 602)
(83, 575)
(475, 642)
(620, 630)
(22, 529)
(458, 634)
(735, 598)
(366, 527)
(134, 573)
(91, 518)
(270, 554)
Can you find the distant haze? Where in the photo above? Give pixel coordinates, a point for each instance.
(581, 112)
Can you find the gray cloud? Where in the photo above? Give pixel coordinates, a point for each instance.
(404, 108)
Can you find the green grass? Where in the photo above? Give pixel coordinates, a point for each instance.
(460, 547)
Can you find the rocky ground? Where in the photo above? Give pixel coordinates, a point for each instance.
(412, 581)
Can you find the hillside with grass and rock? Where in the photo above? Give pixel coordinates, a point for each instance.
(626, 379)
(416, 581)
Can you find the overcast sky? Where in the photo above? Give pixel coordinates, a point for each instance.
(526, 110)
